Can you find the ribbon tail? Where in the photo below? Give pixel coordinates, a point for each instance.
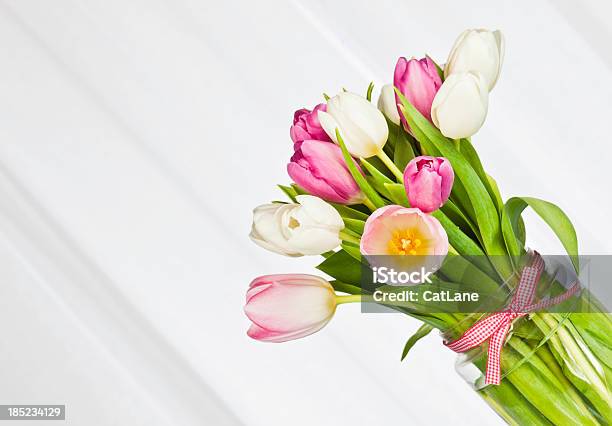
(478, 333)
(496, 343)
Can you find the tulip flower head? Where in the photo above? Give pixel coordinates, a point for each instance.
(478, 51)
(397, 230)
(428, 182)
(306, 125)
(362, 126)
(460, 106)
(309, 228)
(320, 169)
(413, 238)
(418, 81)
(387, 104)
(288, 307)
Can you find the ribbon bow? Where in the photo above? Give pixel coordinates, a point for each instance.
(496, 326)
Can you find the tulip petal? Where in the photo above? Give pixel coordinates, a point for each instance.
(304, 178)
(460, 107)
(327, 172)
(320, 211)
(387, 103)
(266, 231)
(424, 191)
(329, 124)
(315, 241)
(448, 177)
(262, 334)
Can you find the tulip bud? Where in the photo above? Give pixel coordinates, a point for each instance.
(428, 182)
(362, 126)
(308, 228)
(478, 51)
(306, 125)
(388, 104)
(460, 106)
(418, 80)
(320, 169)
(287, 307)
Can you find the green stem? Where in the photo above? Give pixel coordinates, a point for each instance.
(369, 204)
(457, 143)
(579, 358)
(390, 165)
(351, 298)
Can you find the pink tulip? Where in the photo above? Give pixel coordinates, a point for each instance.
(287, 307)
(306, 125)
(397, 230)
(428, 182)
(320, 169)
(418, 80)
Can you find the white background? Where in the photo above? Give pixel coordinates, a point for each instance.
(136, 136)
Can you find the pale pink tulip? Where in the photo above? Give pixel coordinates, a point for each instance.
(397, 230)
(428, 182)
(320, 169)
(287, 307)
(418, 80)
(306, 125)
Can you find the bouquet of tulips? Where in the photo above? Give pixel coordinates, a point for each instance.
(402, 180)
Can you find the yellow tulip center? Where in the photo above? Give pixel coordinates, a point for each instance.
(406, 242)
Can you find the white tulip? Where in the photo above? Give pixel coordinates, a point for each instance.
(388, 104)
(479, 51)
(308, 228)
(460, 106)
(362, 126)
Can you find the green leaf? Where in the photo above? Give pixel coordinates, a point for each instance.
(377, 179)
(352, 249)
(359, 178)
(460, 219)
(349, 213)
(378, 187)
(470, 154)
(397, 192)
(298, 190)
(342, 266)
(487, 217)
(354, 225)
(375, 172)
(344, 287)
(369, 92)
(423, 331)
(464, 245)
(456, 237)
(498, 198)
(556, 219)
(403, 152)
(289, 191)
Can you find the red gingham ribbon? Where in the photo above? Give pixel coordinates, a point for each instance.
(495, 327)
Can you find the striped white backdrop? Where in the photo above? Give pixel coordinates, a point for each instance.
(135, 137)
